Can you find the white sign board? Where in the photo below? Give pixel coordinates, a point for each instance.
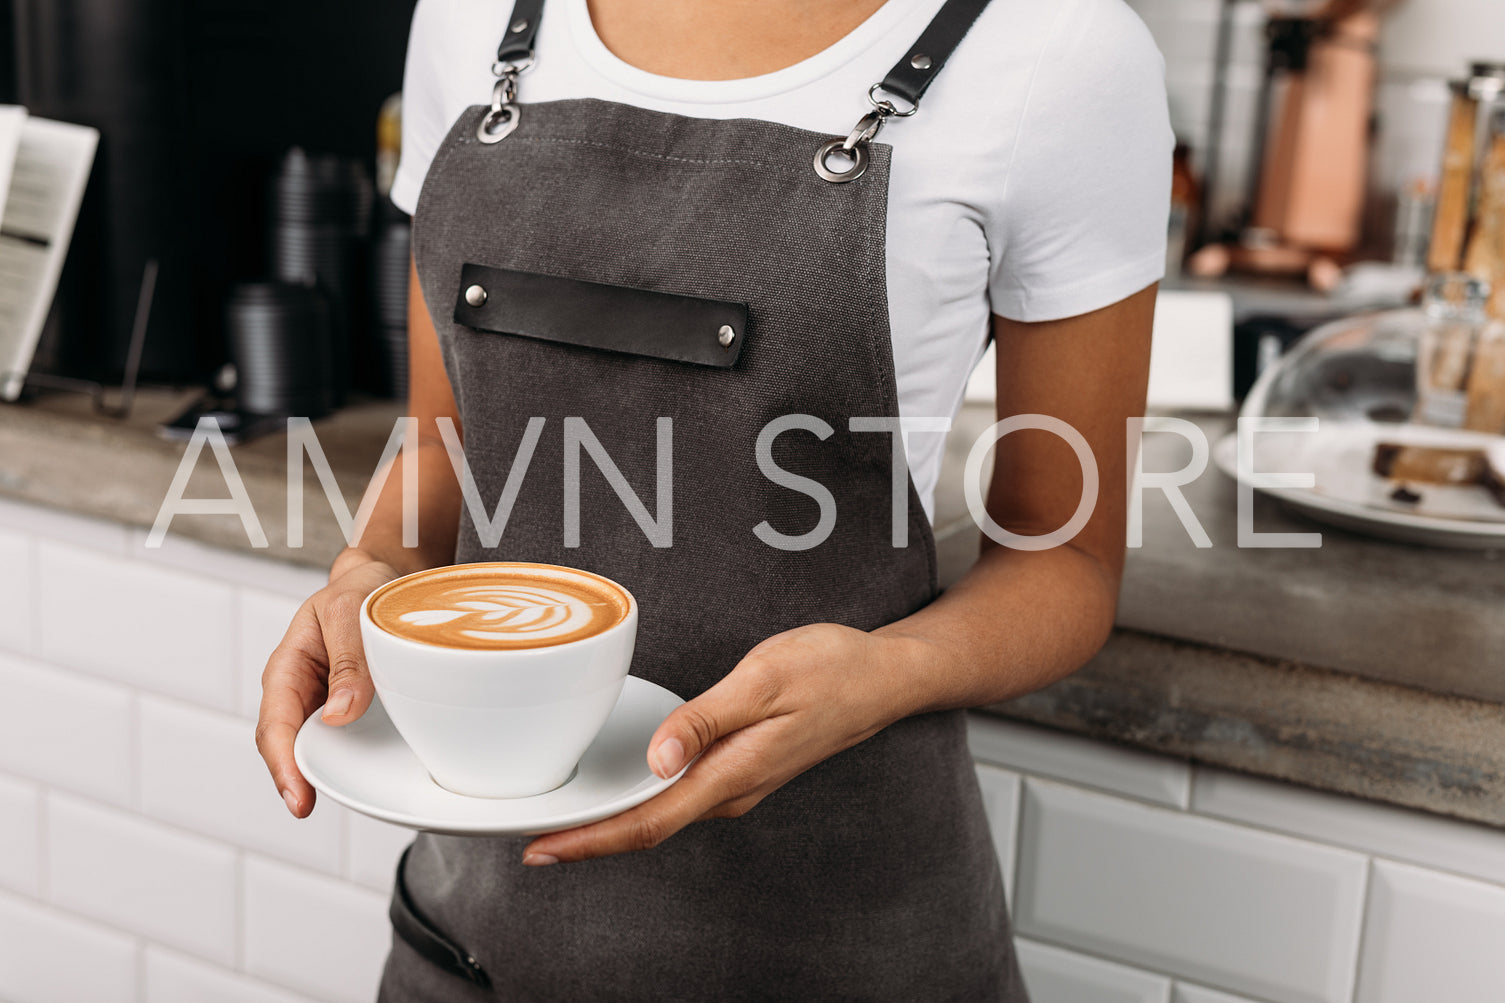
(45, 166)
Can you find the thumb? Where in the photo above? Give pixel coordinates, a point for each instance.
(738, 700)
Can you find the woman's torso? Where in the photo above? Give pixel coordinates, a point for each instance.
(948, 225)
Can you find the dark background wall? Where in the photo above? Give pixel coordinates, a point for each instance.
(196, 101)
(7, 53)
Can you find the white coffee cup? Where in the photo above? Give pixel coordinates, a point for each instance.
(500, 723)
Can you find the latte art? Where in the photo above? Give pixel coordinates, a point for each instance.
(504, 612)
(499, 606)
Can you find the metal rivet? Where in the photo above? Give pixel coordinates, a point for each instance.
(726, 335)
(519, 26)
(920, 61)
(475, 296)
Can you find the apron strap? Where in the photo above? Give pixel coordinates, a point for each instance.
(908, 79)
(522, 29)
(913, 74)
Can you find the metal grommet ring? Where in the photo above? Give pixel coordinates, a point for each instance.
(857, 155)
(886, 106)
(498, 124)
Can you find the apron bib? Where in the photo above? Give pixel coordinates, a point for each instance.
(605, 268)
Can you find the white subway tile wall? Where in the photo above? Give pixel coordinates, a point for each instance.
(1219, 903)
(1187, 993)
(47, 956)
(54, 524)
(66, 729)
(200, 770)
(290, 914)
(176, 978)
(1445, 844)
(1432, 937)
(138, 831)
(153, 627)
(1055, 975)
(20, 834)
(292, 580)
(373, 848)
(1048, 753)
(1000, 799)
(132, 873)
(16, 615)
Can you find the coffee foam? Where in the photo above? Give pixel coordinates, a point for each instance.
(499, 606)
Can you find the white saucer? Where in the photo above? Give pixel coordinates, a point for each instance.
(368, 767)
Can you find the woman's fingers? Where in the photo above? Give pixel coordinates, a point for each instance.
(702, 790)
(746, 695)
(350, 688)
(290, 691)
(320, 660)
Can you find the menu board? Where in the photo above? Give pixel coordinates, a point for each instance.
(44, 167)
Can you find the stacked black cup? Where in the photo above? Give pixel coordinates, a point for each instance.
(390, 249)
(280, 343)
(320, 218)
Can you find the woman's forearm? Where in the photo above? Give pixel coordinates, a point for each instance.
(1016, 622)
(436, 517)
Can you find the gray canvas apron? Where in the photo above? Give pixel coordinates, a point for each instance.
(607, 263)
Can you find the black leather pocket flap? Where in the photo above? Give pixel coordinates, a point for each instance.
(593, 315)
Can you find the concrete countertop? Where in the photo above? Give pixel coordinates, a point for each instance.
(1366, 667)
(56, 451)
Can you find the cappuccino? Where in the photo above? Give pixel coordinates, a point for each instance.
(499, 606)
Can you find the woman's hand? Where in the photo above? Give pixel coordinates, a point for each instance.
(798, 698)
(320, 655)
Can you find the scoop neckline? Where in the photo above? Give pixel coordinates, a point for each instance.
(808, 70)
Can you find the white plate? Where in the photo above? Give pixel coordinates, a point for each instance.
(1348, 494)
(368, 767)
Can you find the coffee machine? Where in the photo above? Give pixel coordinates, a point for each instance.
(196, 102)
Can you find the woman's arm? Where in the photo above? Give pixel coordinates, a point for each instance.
(1020, 620)
(1016, 622)
(429, 398)
(321, 658)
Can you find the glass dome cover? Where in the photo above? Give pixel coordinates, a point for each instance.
(1386, 454)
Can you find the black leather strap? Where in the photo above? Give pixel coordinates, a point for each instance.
(913, 74)
(908, 79)
(419, 934)
(522, 28)
(595, 315)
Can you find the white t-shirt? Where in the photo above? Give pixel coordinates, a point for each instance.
(1033, 183)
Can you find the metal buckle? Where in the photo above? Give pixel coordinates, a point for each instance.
(888, 107)
(504, 67)
(863, 132)
(856, 144)
(501, 121)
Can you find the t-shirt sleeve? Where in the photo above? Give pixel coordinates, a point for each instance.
(424, 121)
(1086, 200)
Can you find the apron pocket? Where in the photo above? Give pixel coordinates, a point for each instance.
(594, 315)
(422, 936)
